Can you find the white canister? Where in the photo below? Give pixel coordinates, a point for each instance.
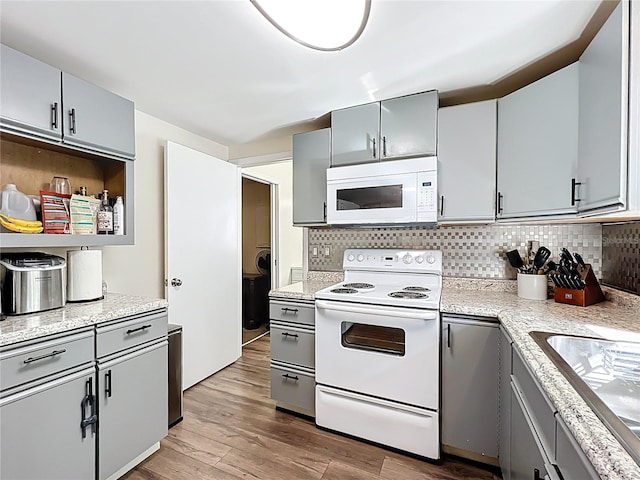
(533, 287)
(84, 275)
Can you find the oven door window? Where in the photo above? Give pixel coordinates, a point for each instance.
(365, 198)
(373, 338)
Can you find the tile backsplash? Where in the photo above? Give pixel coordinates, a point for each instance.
(468, 251)
(621, 256)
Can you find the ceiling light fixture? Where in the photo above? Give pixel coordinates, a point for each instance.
(327, 25)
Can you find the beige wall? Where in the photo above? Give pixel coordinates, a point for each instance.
(256, 222)
(139, 269)
(289, 237)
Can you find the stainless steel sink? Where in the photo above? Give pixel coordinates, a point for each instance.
(606, 374)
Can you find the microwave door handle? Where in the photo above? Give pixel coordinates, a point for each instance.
(425, 315)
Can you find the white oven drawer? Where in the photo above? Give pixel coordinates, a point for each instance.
(410, 429)
(394, 354)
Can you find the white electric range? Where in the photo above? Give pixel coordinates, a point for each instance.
(378, 349)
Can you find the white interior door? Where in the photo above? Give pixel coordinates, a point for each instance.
(203, 262)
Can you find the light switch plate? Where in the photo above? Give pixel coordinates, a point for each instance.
(327, 250)
(314, 251)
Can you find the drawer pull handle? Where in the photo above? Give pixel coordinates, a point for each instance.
(286, 376)
(42, 357)
(287, 334)
(139, 329)
(292, 310)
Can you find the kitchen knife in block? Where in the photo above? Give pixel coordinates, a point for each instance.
(590, 294)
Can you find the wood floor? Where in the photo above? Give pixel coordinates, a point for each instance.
(231, 430)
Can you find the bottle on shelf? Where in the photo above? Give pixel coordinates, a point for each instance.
(105, 215)
(118, 217)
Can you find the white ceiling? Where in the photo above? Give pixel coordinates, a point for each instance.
(221, 70)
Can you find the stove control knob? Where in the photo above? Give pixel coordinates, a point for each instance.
(407, 259)
(419, 259)
(360, 257)
(350, 257)
(431, 259)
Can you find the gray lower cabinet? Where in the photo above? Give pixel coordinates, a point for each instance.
(571, 461)
(293, 355)
(132, 406)
(41, 434)
(504, 403)
(470, 387)
(602, 164)
(467, 162)
(96, 118)
(311, 158)
(538, 147)
(30, 95)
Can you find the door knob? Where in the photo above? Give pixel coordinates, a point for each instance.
(176, 282)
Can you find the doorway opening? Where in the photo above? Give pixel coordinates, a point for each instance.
(257, 260)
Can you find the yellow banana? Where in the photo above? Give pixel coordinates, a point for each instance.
(14, 227)
(20, 222)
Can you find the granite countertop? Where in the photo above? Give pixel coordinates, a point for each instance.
(614, 321)
(306, 289)
(73, 316)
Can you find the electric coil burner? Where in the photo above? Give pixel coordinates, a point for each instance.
(373, 343)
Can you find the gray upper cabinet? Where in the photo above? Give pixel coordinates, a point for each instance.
(354, 134)
(470, 388)
(408, 125)
(311, 158)
(30, 96)
(467, 162)
(538, 147)
(602, 164)
(97, 119)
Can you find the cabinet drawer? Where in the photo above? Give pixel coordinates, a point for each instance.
(542, 413)
(293, 388)
(295, 312)
(130, 333)
(22, 365)
(293, 345)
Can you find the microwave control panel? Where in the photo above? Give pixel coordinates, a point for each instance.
(427, 191)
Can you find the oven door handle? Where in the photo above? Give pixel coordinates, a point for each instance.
(422, 315)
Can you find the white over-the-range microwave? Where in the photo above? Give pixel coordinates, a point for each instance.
(385, 193)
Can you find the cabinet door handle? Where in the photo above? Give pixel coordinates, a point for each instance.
(500, 196)
(72, 121)
(384, 146)
(574, 184)
(42, 357)
(107, 384)
(54, 115)
(287, 334)
(374, 147)
(287, 309)
(286, 376)
(441, 205)
(448, 336)
(536, 474)
(325, 211)
(88, 400)
(139, 329)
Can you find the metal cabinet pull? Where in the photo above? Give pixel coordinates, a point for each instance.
(441, 205)
(500, 196)
(292, 310)
(287, 334)
(325, 211)
(448, 336)
(54, 115)
(72, 120)
(139, 329)
(374, 147)
(107, 384)
(42, 357)
(88, 400)
(384, 146)
(574, 184)
(286, 376)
